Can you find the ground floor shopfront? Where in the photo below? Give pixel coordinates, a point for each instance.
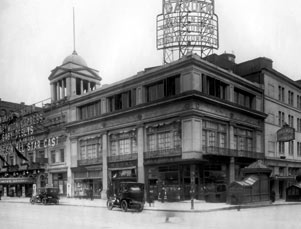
(283, 175)
(206, 179)
(87, 181)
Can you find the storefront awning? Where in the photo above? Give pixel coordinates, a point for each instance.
(19, 180)
(122, 168)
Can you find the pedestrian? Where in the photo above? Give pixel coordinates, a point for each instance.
(91, 193)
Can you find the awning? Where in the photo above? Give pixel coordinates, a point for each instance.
(18, 180)
(292, 178)
(122, 168)
(249, 181)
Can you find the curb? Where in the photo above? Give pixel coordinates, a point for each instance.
(236, 207)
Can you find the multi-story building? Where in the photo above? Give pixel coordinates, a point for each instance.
(282, 104)
(186, 126)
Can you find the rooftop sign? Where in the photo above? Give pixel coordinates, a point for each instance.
(187, 26)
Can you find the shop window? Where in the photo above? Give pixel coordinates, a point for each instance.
(163, 88)
(122, 100)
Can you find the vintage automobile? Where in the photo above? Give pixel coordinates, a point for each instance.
(46, 196)
(127, 195)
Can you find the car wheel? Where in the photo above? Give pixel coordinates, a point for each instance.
(140, 208)
(44, 201)
(32, 200)
(109, 204)
(124, 205)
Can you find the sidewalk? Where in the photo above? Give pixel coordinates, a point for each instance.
(183, 206)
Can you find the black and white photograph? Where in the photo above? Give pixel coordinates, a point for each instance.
(150, 114)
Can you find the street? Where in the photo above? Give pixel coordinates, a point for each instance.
(26, 216)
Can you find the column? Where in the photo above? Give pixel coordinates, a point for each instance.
(68, 86)
(81, 87)
(89, 86)
(58, 90)
(140, 151)
(53, 92)
(104, 166)
(192, 138)
(63, 88)
(232, 170)
(276, 183)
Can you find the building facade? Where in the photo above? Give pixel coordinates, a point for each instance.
(282, 102)
(187, 128)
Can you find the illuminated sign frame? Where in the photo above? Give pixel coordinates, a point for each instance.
(187, 26)
(286, 134)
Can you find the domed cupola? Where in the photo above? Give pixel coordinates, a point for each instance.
(74, 58)
(73, 78)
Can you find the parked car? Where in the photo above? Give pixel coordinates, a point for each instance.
(46, 196)
(129, 195)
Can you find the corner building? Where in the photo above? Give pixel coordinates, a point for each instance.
(187, 127)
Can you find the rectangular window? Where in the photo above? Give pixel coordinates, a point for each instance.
(298, 101)
(30, 156)
(216, 88)
(90, 110)
(281, 147)
(291, 120)
(123, 143)
(244, 139)
(90, 148)
(299, 149)
(53, 155)
(163, 88)
(281, 118)
(291, 148)
(122, 100)
(164, 137)
(62, 155)
(291, 98)
(214, 135)
(12, 160)
(298, 124)
(271, 147)
(244, 98)
(281, 93)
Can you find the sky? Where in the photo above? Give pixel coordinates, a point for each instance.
(118, 38)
